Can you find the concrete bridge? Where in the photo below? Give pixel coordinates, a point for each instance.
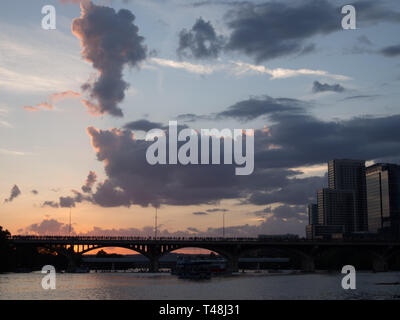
(231, 249)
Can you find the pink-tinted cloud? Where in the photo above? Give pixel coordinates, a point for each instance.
(45, 105)
(53, 98)
(109, 40)
(56, 97)
(31, 109)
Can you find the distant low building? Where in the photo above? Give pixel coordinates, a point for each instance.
(315, 232)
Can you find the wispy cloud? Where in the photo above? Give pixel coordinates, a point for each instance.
(14, 153)
(281, 73)
(239, 68)
(24, 67)
(187, 66)
(6, 124)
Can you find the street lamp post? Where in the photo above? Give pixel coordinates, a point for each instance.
(223, 224)
(155, 225)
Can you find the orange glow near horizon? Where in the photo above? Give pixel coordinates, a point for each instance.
(124, 251)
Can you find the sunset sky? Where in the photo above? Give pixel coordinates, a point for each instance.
(75, 103)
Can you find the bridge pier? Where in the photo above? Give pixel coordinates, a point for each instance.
(307, 264)
(379, 264)
(73, 261)
(233, 264)
(154, 264)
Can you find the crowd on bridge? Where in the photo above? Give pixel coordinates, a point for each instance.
(144, 238)
(127, 238)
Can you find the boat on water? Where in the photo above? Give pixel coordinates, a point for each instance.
(78, 270)
(199, 269)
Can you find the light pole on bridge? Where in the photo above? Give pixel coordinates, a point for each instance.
(223, 224)
(155, 225)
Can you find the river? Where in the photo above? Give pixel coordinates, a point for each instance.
(251, 286)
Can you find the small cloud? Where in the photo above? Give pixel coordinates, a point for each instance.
(5, 124)
(45, 105)
(391, 51)
(90, 181)
(56, 97)
(324, 87)
(142, 124)
(217, 210)
(15, 192)
(364, 96)
(51, 204)
(200, 42)
(31, 109)
(364, 40)
(14, 153)
(199, 213)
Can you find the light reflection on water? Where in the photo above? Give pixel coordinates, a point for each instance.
(165, 286)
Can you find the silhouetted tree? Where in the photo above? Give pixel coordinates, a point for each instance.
(5, 250)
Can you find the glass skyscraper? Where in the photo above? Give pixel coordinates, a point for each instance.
(383, 198)
(347, 174)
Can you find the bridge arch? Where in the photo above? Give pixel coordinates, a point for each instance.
(132, 248)
(224, 253)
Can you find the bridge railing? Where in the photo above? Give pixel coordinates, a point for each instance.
(126, 238)
(143, 238)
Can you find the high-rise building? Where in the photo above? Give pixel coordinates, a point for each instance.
(336, 208)
(383, 198)
(347, 174)
(312, 209)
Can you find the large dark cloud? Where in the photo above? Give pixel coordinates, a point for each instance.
(305, 140)
(109, 40)
(298, 138)
(294, 139)
(391, 51)
(274, 29)
(15, 192)
(324, 87)
(200, 42)
(132, 180)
